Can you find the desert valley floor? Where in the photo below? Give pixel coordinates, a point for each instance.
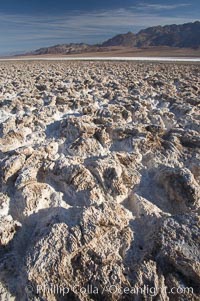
(99, 181)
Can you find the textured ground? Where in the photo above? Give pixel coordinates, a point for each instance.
(100, 180)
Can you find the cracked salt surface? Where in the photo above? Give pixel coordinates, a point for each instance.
(4, 116)
(114, 190)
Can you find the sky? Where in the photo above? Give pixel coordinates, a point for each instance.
(30, 24)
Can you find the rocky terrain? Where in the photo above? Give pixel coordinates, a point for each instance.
(100, 181)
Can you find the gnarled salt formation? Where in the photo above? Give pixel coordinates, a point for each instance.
(100, 181)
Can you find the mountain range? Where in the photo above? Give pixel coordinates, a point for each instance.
(181, 36)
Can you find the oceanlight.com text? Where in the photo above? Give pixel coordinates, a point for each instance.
(113, 289)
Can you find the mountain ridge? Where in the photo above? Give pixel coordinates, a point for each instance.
(183, 36)
(186, 35)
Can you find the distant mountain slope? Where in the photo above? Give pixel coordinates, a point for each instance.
(65, 49)
(183, 36)
(127, 39)
(186, 35)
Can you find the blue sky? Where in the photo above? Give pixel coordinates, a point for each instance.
(26, 24)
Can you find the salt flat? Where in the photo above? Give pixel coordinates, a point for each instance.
(154, 59)
(99, 179)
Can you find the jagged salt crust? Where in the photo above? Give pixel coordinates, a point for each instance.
(100, 180)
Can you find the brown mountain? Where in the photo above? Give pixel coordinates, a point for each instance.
(66, 49)
(183, 36)
(127, 40)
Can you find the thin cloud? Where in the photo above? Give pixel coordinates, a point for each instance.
(28, 31)
(157, 7)
(94, 20)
